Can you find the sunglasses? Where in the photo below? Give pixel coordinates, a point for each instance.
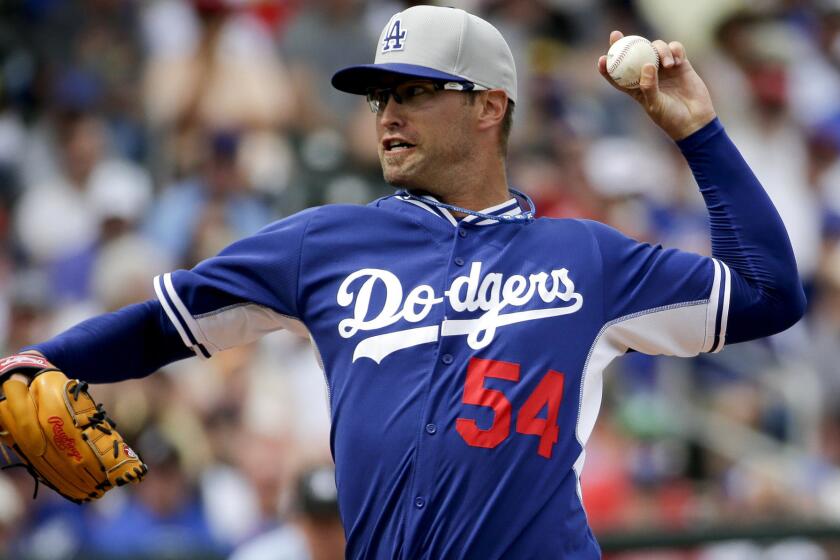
(414, 94)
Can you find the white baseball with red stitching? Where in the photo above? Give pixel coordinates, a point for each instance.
(626, 58)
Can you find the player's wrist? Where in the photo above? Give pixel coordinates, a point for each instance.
(684, 131)
(25, 364)
(698, 138)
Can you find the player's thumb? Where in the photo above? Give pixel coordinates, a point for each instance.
(649, 85)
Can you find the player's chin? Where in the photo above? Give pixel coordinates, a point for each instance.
(396, 177)
(397, 172)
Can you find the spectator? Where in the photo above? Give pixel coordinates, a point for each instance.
(161, 519)
(314, 530)
(198, 216)
(59, 221)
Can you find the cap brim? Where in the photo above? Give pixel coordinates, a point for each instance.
(358, 79)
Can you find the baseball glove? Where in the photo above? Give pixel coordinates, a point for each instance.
(61, 436)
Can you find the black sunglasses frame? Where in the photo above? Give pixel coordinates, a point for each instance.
(377, 98)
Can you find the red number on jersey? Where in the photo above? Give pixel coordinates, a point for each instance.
(475, 393)
(548, 394)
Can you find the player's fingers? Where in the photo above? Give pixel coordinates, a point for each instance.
(678, 50)
(615, 36)
(649, 85)
(666, 58)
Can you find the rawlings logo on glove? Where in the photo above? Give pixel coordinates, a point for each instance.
(62, 441)
(63, 438)
(18, 360)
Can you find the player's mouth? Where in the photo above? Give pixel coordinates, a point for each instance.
(396, 145)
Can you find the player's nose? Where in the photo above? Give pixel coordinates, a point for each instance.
(392, 115)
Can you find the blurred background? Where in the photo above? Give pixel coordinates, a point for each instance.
(137, 137)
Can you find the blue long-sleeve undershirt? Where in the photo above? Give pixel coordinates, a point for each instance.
(748, 235)
(133, 342)
(746, 231)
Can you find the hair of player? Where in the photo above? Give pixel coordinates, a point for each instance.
(507, 122)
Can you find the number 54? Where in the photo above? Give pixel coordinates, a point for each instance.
(548, 393)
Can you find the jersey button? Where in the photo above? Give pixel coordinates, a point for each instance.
(459, 261)
(462, 233)
(447, 359)
(431, 428)
(419, 502)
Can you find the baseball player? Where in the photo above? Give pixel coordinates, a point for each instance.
(463, 340)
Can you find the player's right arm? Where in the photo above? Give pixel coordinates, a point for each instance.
(248, 290)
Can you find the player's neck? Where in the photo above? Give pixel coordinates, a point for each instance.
(479, 191)
(477, 203)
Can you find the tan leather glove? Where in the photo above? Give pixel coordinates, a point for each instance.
(63, 438)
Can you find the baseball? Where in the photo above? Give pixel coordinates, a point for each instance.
(626, 58)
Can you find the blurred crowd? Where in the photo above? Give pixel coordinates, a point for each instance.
(141, 136)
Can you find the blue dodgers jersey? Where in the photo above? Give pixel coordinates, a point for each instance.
(463, 359)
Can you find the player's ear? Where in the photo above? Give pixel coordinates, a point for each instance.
(493, 105)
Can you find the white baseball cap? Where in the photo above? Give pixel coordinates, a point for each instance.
(437, 43)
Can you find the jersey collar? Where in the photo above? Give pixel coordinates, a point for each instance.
(510, 207)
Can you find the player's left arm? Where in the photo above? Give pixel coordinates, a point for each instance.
(747, 233)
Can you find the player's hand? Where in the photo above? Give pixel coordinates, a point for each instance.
(675, 98)
(60, 435)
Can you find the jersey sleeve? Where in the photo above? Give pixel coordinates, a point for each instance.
(243, 293)
(665, 301)
(661, 301)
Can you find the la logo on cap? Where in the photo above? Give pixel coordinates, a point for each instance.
(395, 37)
